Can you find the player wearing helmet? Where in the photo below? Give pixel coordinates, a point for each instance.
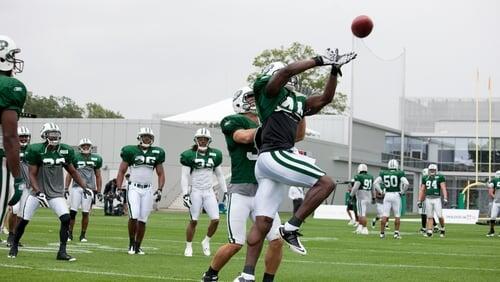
(239, 131)
(142, 159)
(362, 189)
(395, 185)
(280, 109)
(494, 193)
(433, 186)
(12, 98)
(88, 165)
(16, 215)
(47, 161)
(199, 164)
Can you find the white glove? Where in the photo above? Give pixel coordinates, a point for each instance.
(157, 195)
(187, 201)
(332, 57)
(42, 199)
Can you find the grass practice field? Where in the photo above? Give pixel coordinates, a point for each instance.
(334, 253)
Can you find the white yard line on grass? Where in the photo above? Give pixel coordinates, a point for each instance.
(107, 273)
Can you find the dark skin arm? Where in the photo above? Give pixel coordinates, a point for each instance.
(314, 104)
(161, 176)
(98, 180)
(11, 141)
(33, 172)
(281, 77)
(76, 176)
(121, 173)
(301, 130)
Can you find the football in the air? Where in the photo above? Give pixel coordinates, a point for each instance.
(362, 26)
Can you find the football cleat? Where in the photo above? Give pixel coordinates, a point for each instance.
(422, 230)
(205, 244)
(70, 236)
(428, 234)
(139, 251)
(209, 278)
(188, 252)
(292, 239)
(374, 221)
(65, 256)
(83, 239)
(241, 278)
(442, 234)
(435, 229)
(351, 222)
(490, 234)
(364, 231)
(397, 235)
(13, 251)
(382, 235)
(131, 250)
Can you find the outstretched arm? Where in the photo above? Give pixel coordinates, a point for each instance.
(314, 104)
(281, 77)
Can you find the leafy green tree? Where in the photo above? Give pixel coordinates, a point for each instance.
(65, 107)
(311, 82)
(95, 110)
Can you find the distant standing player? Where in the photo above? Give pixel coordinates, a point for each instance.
(142, 159)
(396, 184)
(199, 164)
(362, 189)
(494, 193)
(432, 188)
(88, 166)
(47, 161)
(12, 98)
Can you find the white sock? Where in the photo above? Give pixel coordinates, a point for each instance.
(247, 276)
(290, 227)
(189, 244)
(207, 239)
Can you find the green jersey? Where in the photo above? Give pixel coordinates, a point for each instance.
(495, 184)
(142, 162)
(366, 181)
(433, 185)
(391, 179)
(86, 166)
(243, 156)
(12, 94)
(202, 166)
(50, 166)
(279, 115)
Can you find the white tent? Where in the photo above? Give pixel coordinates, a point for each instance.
(212, 114)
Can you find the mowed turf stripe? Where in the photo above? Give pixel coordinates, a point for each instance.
(106, 273)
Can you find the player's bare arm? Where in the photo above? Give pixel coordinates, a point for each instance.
(314, 104)
(244, 136)
(444, 191)
(98, 180)
(11, 141)
(491, 191)
(281, 77)
(421, 193)
(75, 175)
(122, 170)
(33, 173)
(301, 130)
(67, 181)
(161, 176)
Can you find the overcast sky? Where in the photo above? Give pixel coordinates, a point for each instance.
(141, 57)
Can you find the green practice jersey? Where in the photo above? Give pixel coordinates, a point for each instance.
(433, 184)
(243, 156)
(12, 94)
(142, 162)
(495, 184)
(279, 115)
(86, 166)
(211, 159)
(366, 181)
(391, 179)
(50, 167)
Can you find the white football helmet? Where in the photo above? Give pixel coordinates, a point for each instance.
(393, 164)
(8, 51)
(362, 167)
(433, 169)
(241, 104)
(425, 172)
(272, 68)
(85, 141)
(51, 133)
(202, 132)
(24, 133)
(497, 174)
(145, 131)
